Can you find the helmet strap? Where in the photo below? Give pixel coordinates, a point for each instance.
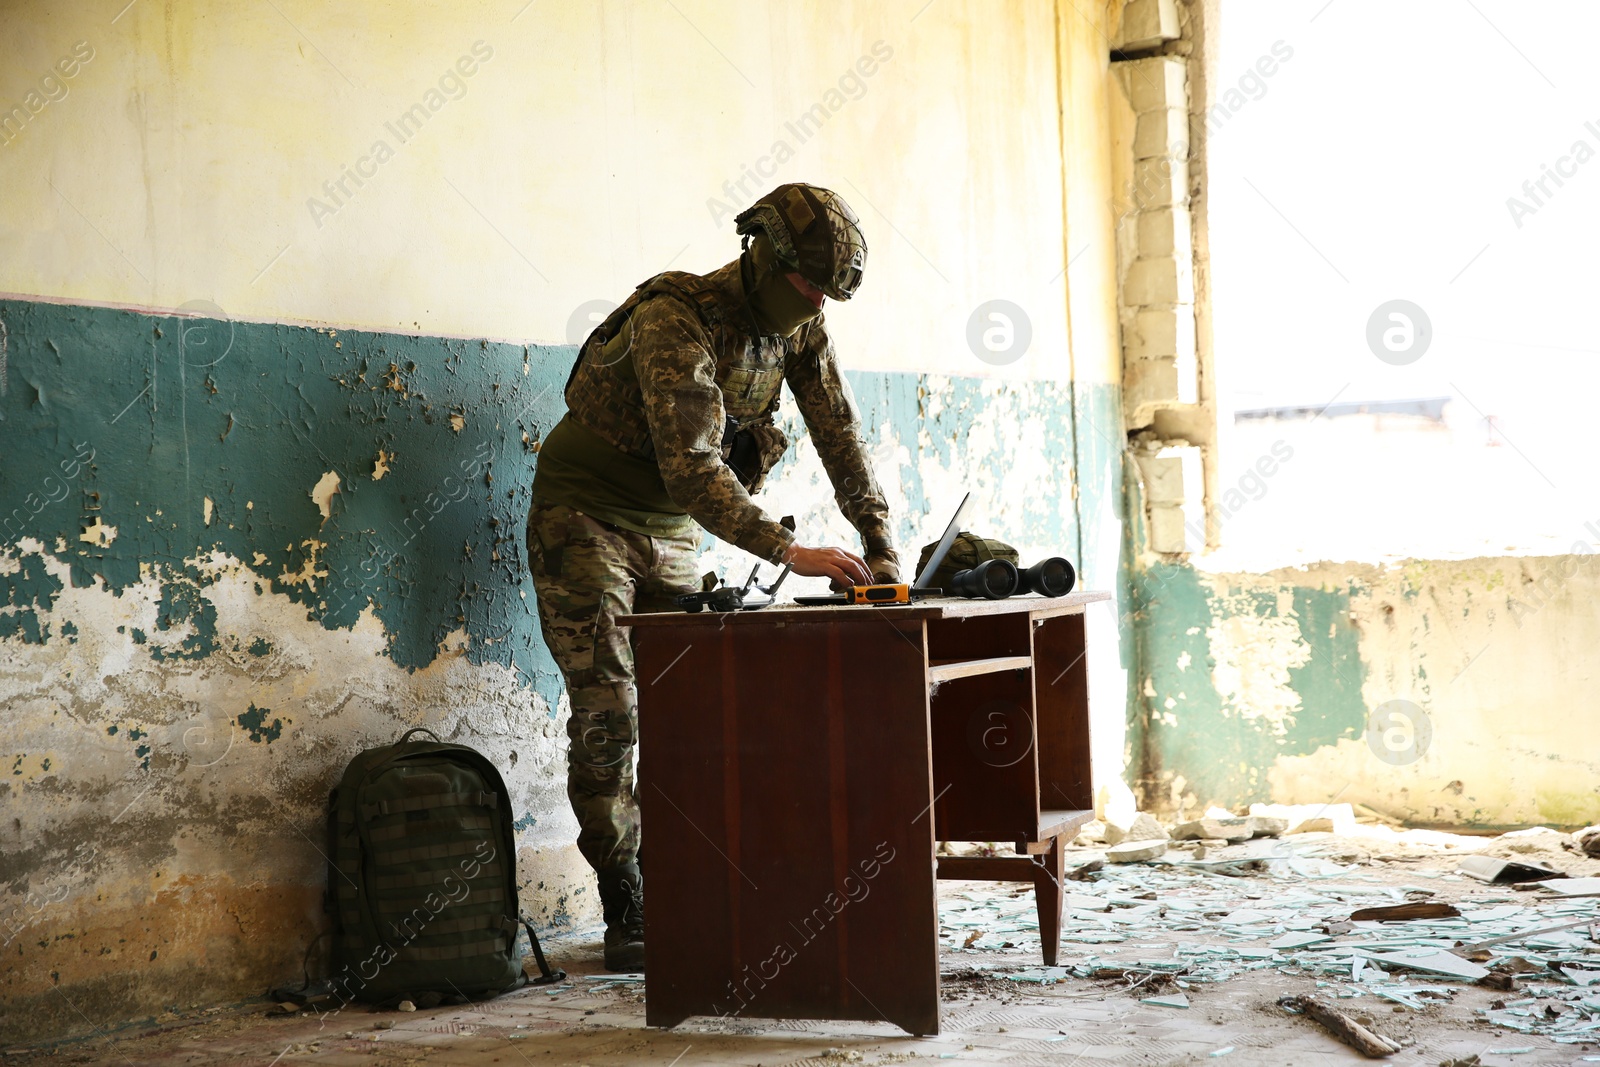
(748, 280)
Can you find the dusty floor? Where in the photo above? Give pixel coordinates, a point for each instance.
(1203, 935)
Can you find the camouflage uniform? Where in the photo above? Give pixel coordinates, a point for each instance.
(586, 572)
(689, 360)
(689, 363)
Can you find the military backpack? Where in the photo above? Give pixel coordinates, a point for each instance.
(966, 551)
(422, 881)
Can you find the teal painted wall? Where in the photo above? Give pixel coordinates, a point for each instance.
(1221, 744)
(253, 415)
(1027, 497)
(1439, 692)
(173, 411)
(200, 684)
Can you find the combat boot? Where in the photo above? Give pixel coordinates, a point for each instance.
(622, 900)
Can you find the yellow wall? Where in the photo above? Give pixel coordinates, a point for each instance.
(586, 152)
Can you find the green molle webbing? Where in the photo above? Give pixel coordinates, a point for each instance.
(967, 551)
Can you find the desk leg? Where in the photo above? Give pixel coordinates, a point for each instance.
(1044, 865)
(1049, 893)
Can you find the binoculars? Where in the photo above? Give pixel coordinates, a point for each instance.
(996, 579)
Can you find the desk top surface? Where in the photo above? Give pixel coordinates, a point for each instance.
(932, 608)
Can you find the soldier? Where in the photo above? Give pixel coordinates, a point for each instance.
(669, 424)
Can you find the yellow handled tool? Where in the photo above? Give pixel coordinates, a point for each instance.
(880, 594)
(897, 593)
(876, 595)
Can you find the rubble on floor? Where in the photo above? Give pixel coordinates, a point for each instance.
(1312, 906)
(1170, 961)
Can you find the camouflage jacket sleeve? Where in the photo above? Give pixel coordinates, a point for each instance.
(682, 404)
(829, 409)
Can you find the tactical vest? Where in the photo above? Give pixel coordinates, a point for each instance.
(603, 390)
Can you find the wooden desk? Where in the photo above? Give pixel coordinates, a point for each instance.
(798, 766)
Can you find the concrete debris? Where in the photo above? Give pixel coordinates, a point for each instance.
(1143, 827)
(406, 1005)
(1308, 818)
(1241, 857)
(1215, 829)
(1588, 840)
(1136, 851)
(1217, 826)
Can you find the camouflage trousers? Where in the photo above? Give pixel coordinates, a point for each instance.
(585, 573)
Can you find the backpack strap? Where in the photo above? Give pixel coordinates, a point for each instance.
(430, 800)
(546, 975)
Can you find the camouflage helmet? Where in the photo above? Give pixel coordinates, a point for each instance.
(967, 551)
(830, 256)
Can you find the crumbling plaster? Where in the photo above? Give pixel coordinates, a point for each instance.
(1283, 686)
(180, 694)
(308, 564)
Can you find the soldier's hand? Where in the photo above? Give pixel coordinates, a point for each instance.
(844, 568)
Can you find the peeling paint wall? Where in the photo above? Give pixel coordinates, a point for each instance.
(235, 555)
(1453, 693)
(234, 551)
(217, 590)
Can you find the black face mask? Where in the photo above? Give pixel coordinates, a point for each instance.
(775, 304)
